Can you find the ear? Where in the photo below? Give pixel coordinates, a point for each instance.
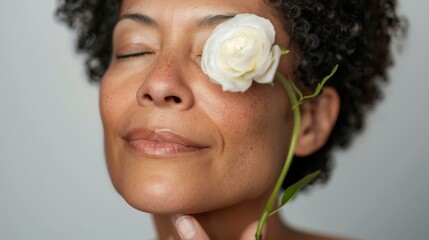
(318, 117)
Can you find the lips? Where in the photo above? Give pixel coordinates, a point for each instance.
(160, 142)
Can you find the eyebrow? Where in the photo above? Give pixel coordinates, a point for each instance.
(212, 20)
(206, 21)
(137, 17)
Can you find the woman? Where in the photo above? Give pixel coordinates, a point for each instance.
(177, 144)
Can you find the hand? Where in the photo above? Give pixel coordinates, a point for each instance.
(188, 228)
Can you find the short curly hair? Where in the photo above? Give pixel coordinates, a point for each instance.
(356, 34)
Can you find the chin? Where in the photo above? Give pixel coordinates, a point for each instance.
(158, 195)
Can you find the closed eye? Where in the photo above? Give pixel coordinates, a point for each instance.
(132, 55)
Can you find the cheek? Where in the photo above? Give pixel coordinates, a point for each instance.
(115, 96)
(107, 106)
(114, 99)
(108, 112)
(255, 133)
(118, 91)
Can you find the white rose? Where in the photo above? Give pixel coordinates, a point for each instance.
(239, 51)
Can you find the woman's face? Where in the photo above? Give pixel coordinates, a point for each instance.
(174, 141)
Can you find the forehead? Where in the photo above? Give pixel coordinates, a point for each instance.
(173, 13)
(175, 10)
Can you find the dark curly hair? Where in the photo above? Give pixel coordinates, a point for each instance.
(356, 34)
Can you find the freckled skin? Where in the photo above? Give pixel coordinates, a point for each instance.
(247, 134)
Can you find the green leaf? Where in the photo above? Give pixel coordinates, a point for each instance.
(284, 51)
(292, 190)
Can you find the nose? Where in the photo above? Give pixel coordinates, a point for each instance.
(166, 86)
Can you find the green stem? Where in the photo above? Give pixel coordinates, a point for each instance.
(318, 88)
(274, 195)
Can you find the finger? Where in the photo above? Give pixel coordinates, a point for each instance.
(188, 228)
(249, 231)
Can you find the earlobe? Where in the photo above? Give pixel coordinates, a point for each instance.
(318, 117)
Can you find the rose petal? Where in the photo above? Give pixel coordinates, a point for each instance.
(239, 51)
(271, 71)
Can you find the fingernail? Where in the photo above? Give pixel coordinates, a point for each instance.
(186, 227)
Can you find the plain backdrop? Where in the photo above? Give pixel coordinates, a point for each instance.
(53, 180)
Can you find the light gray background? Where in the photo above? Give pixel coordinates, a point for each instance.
(53, 181)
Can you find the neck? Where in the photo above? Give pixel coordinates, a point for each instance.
(229, 223)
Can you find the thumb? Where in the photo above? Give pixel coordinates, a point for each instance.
(188, 228)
